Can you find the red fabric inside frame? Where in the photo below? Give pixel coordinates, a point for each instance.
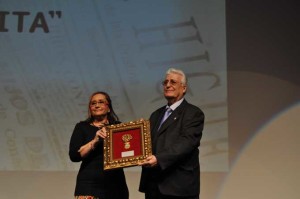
(119, 145)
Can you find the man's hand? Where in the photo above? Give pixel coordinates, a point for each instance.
(150, 161)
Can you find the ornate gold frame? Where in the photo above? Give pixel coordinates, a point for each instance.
(129, 132)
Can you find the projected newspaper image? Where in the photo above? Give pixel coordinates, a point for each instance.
(54, 55)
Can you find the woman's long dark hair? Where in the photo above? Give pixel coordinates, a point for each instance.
(111, 116)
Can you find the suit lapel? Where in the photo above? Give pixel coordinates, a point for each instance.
(172, 118)
(157, 122)
(154, 132)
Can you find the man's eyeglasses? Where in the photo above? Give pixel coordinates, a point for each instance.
(101, 103)
(172, 82)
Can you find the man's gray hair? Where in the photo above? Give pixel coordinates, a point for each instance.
(180, 72)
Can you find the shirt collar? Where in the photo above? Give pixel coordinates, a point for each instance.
(175, 105)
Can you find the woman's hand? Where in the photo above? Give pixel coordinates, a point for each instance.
(90, 146)
(102, 133)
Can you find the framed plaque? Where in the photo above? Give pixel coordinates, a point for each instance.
(127, 144)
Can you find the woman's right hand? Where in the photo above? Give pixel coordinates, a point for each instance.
(101, 133)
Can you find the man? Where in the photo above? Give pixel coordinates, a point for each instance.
(173, 171)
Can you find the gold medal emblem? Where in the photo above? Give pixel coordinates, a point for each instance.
(126, 139)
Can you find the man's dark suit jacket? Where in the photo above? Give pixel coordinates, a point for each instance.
(175, 145)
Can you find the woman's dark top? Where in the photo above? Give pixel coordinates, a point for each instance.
(92, 179)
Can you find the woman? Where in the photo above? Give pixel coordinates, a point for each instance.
(86, 145)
